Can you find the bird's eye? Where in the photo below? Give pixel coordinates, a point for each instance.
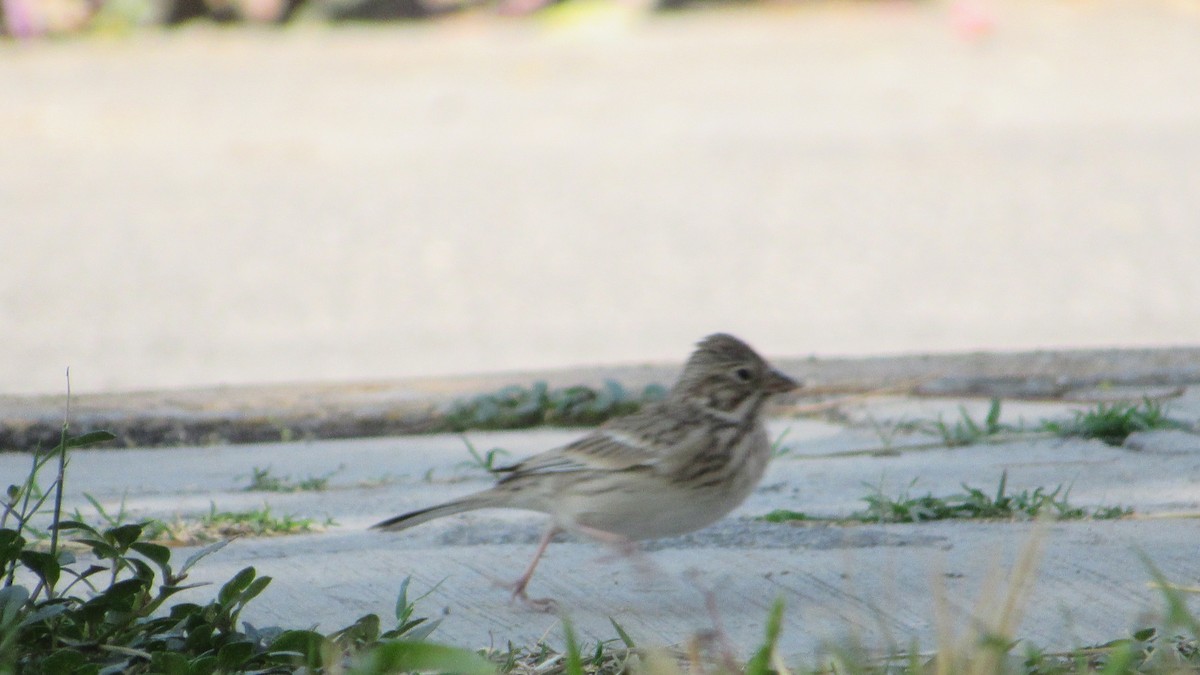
(742, 374)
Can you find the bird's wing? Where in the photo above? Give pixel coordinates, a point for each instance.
(621, 445)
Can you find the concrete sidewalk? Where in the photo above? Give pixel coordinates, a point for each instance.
(875, 582)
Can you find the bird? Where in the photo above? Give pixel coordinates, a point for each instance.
(670, 468)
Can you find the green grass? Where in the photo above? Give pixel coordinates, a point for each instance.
(972, 503)
(986, 647)
(966, 431)
(486, 460)
(217, 525)
(778, 449)
(786, 516)
(262, 480)
(1113, 423)
(212, 526)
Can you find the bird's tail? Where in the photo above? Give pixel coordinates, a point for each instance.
(481, 500)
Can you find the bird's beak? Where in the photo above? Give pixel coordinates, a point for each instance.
(778, 383)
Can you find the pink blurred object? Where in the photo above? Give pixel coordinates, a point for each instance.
(20, 20)
(520, 7)
(262, 11)
(971, 20)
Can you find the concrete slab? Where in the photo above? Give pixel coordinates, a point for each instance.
(876, 582)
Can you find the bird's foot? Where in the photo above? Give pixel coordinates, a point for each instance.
(545, 605)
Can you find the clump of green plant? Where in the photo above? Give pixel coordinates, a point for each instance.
(1112, 423)
(110, 613)
(967, 431)
(602, 659)
(484, 460)
(216, 525)
(262, 480)
(517, 407)
(887, 432)
(212, 526)
(786, 516)
(972, 503)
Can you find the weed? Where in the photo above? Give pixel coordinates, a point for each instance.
(778, 449)
(1113, 423)
(216, 525)
(766, 660)
(1112, 512)
(485, 461)
(887, 432)
(210, 527)
(600, 659)
(119, 518)
(785, 516)
(262, 480)
(972, 503)
(966, 431)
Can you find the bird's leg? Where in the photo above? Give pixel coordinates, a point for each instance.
(625, 547)
(518, 587)
(717, 634)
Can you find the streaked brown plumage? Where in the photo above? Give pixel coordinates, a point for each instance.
(668, 469)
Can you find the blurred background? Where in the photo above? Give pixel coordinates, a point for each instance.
(204, 192)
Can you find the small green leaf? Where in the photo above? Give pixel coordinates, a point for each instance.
(234, 587)
(101, 548)
(254, 589)
(574, 664)
(203, 665)
(169, 663)
(622, 634)
(200, 555)
(90, 438)
(11, 544)
(305, 646)
(403, 609)
(12, 599)
(124, 535)
(64, 661)
(119, 596)
(68, 525)
(760, 663)
(363, 631)
(157, 553)
(42, 564)
(233, 656)
(419, 630)
(1120, 660)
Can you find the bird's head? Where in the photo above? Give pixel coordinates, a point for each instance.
(726, 375)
